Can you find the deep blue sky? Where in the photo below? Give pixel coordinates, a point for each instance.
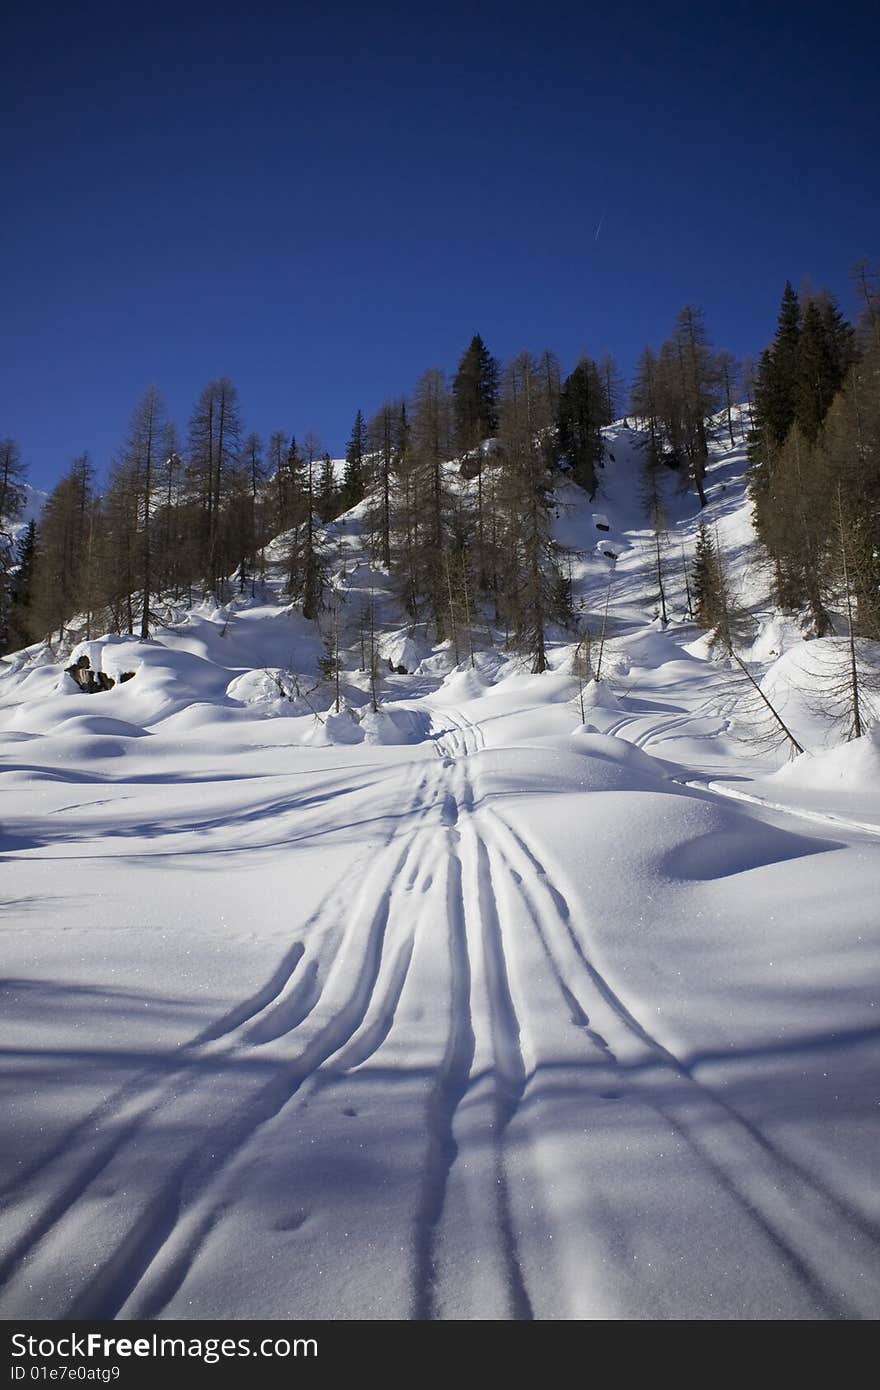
(323, 201)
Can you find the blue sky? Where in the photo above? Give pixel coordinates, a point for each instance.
(322, 203)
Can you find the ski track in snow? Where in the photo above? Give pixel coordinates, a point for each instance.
(459, 940)
(331, 1018)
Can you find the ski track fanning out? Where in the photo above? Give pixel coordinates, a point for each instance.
(506, 1001)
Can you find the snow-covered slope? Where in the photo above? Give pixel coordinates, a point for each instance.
(468, 1008)
(34, 502)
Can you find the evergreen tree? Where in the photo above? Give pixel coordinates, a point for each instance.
(381, 442)
(330, 663)
(355, 480)
(475, 397)
(582, 413)
(791, 475)
(776, 381)
(327, 498)
(825, 353)
(705, 578)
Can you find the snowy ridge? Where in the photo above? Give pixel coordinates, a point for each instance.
(465, 1008)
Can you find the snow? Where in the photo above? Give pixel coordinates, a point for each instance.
(463, 1008)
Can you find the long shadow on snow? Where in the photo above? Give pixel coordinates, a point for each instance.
(580, 1084)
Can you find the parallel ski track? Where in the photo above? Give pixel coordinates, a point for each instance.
(90, 1145)
(328, 1018)
(755, 1172)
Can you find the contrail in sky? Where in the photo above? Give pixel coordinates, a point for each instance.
(599, 228)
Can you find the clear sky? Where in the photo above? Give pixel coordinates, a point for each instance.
(323, 200)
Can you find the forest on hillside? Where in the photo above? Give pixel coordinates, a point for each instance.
(457, 480)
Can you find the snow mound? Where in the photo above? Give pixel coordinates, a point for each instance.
(808, 685)
(402, 649)
(701, 647)
(464, 684)
(389, 726)
(99, 724)
(440, 663)
(332, 729)
(258, 687)
(619, 751)
(855, 764)
(596, 695)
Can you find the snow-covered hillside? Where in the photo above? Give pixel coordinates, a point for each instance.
(34, 502)
(465, 1008)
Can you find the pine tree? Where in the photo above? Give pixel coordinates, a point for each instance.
(707, 603)
(825, 353)
(776, 381)
(331, 660)
(368, 634)
(716, 605)
(475, 397)
(355, 480)
(582, 413)
(381, 442)
(328, 496)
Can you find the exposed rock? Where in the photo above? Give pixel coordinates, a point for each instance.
(92, 682)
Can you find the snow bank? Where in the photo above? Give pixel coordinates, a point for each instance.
(332, 728)
(390, 726)
(809, 686)
(855, 765)
(597, 695)
(260, 687)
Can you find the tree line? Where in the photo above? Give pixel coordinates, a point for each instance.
(457, 483)
(815, 458)
(179, 519)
